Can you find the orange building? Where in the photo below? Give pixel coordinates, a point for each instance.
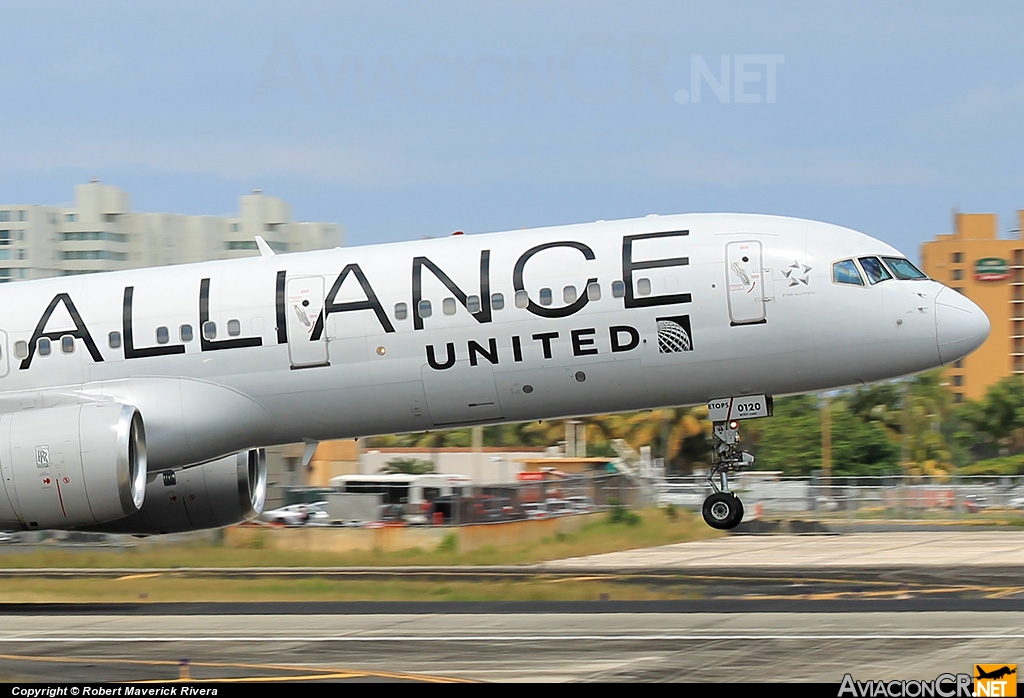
(989, 270)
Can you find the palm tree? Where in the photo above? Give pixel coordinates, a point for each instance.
(407, 466)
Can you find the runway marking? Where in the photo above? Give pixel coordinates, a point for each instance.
(526, 638)
(895, 594)
(330, 672)
(1009, 591)
(264, 679)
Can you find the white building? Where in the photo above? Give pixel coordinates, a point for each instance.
(100, 232)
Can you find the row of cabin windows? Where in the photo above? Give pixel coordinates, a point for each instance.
(449, 306)
(163, 336)
(545, 297)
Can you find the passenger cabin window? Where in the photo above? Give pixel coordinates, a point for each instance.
(569, 295)
(21, 349)
(902, 268)
(114, 340)
(874, 270)
(401, 311)
(448, 306)
(425, 309)
(593, 291)
(846, 272)
(43, 346)
(67, 344)
(210, 330)
(497, 301)
(522, 299)
(234, 328)
(473, 304)
(545, 296)
(163, 336)
(185, 332)
(618, 289)
(643, 287)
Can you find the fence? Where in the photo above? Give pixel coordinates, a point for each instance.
(766, 494)
(901, 497)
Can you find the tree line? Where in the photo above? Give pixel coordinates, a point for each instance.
(906, 427)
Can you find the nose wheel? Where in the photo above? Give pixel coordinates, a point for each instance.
(722, 510)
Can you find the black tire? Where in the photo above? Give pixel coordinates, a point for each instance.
(722, 511)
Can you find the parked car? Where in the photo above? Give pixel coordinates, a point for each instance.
(393, 512)
(536, 510)
(559, 507)
(298, 515)
(974, 503)
(581, 505)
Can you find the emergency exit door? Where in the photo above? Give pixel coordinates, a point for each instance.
(307, 335)
(746, 282)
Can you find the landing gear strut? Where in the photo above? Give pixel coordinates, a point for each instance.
(724, 510)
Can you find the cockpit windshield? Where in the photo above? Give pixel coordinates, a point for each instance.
(874, 269)
(903, 269)
(845, 272)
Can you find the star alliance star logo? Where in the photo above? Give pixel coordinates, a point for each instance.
(797, 273)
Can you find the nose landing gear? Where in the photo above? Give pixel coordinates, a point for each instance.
(723, 510)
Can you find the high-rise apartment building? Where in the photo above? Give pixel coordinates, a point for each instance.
(989, 270)
(100, 232)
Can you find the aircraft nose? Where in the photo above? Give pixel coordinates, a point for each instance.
(960, 325)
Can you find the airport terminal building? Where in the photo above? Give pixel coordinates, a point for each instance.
(100, 232)
(989, 270)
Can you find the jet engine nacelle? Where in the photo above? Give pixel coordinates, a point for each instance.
(71, 466)
(219, 493)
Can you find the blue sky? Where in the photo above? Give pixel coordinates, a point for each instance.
(402, 120)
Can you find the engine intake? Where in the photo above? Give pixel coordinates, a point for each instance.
(69, 467)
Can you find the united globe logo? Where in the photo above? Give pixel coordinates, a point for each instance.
(674, 334)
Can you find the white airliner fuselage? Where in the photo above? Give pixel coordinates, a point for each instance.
(187, 365)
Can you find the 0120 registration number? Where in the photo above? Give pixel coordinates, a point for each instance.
(744, 407)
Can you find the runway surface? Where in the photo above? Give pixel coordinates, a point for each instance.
(771, 622)
(903, 549)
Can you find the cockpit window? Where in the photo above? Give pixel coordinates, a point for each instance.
(845, 272)
(903, 269)
(874, 269)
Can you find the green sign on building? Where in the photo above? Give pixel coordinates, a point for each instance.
(991, 269)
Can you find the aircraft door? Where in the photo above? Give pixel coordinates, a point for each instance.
(307, 336)
(5, 359)
(746, 284)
